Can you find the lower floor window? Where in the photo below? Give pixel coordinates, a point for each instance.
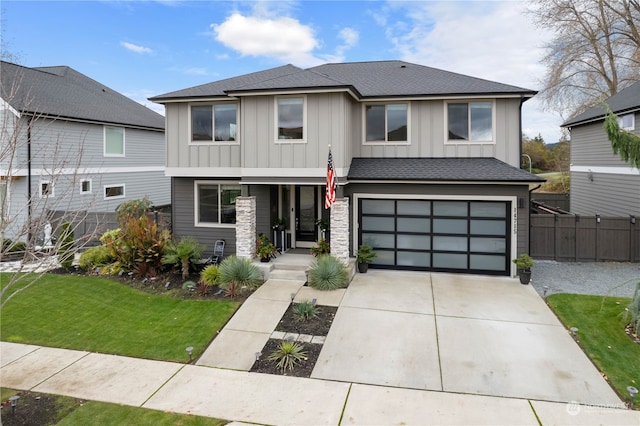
(215, 203)
(46, 189)
(114, 191)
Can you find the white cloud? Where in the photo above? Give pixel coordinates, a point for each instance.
(283, 38)
(492, 40)
(135, 48)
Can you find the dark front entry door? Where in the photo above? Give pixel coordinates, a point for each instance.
(306, 210)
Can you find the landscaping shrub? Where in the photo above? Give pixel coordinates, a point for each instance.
(210, 275)
(633, 310)
(288, 354)
(95, 256)
(328, 273)
(133, 209)
(185, 254)
(238, 274)
(303, 311)
(67, 251)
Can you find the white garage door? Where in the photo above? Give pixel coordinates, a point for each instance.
(437, 235)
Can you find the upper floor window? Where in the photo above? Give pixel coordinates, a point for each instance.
(290, 115)
(218, 122)
(386, 123)
(627, 122)
(215, 203)
(46, 189)
(470, 121)
(113, 141)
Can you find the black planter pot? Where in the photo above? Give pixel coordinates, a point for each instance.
(265, 259)
(363, 268)
(525, 276)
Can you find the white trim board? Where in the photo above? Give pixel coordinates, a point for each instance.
(608, 170)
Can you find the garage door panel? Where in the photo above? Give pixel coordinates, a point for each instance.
(444, 235)
(414, 259)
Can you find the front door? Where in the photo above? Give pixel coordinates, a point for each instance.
(306, 215)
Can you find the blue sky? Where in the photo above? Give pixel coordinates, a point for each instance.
(146, 48)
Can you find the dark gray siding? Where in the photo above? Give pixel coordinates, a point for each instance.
(263, 208)
(183, 210)
(606, 195)
(590, 147)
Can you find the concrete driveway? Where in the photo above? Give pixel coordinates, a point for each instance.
(457, 333)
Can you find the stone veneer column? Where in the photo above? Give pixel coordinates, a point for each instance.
(340, 230)
(246, 227)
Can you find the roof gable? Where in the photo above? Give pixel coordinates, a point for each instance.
(63, 92)
(625, 100)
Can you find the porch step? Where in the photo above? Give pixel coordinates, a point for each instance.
(287, 274)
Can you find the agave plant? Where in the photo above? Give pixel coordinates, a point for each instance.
(237, 274)
(305, 310)
(328, 273)
(288, 354)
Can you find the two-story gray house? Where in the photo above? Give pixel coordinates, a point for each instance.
(426, 163)
(70, 143)
(601, 183)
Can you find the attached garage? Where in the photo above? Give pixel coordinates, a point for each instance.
(463, 215)
(438, 234)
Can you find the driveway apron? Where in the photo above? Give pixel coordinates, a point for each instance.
(456, 333)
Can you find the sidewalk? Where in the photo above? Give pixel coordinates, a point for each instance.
(267, 399)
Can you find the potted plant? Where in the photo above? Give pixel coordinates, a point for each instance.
(265, 249)
(279, 224)
(364, 257)
(323, 226)
(524, 263)
(322, 248)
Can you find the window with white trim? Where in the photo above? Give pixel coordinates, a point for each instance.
(85, 186)
(114, 191)
(290, 119)
(214, 122)
(215, 203)
(627, 122)
(470, 121)
(386, 123)
(46, 189)
(113, 141)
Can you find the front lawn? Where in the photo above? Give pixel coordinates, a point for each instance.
(101, 315)
(601, 334)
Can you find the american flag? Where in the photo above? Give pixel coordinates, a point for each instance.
(330, 196)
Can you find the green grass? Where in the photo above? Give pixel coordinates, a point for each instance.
(600, 322)
(103, 414)
(101, 315)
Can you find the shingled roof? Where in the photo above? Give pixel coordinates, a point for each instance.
(367, 80)
(63, 92)
(476, 169)
(625, 101)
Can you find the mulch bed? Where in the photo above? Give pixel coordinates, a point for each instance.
(316, 326)
(38, 409)
(301, 369)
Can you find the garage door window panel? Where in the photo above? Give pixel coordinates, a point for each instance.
(487, 209)
(411, 224)
(450, 208)
(488, 245)
(414, 259)
(450, 243)
(378, 207)
(376, 223)
(487, 262)
(379, 240)
(449, 261)
(414, 242)
(385, 257)
(488, 227)
(414, 208)
(450, 226)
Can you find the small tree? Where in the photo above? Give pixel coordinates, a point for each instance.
(185, 254)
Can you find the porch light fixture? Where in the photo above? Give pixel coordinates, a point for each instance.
(597, 218)
(632, 219)
(574, 331)
(14, 401)
(632, 394)
(190, 352)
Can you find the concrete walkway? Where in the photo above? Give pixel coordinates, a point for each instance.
(405, 348)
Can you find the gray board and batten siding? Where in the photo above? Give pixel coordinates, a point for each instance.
(335, 119)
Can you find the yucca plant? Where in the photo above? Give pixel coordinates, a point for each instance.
(304, 310)
(288, 355)
(237, 274)
(185, 254)
(328, 273)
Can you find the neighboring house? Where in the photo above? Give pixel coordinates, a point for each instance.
(426, 163)
(601, 183)
(70, 143)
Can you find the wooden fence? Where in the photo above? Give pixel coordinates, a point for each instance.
(571, 238)
(557, 200)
